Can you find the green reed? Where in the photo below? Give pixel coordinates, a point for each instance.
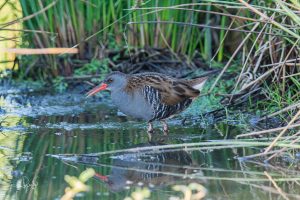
(115, 24)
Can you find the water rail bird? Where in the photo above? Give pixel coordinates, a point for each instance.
(150, 96)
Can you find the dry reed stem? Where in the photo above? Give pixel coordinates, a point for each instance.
(297, 105)
(224, 37)
(262, 77)
(284, 148)
(27, 51)
(164, 38)
(269, 189)
(100, 31)
(156, 9)
(291, 75)
(259, 154)
(203, 26)
(280, 63)
(282, 132)
(276, 170)
(268, 131)
(276, 186)
(232, 57)
(269, 19)
(28, 31)
(248, 58)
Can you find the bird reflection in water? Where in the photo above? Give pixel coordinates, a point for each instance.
(152, 168)
(149, 169)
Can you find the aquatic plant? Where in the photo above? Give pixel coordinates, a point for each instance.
(77, 185)
(193, 191)
(139, 194)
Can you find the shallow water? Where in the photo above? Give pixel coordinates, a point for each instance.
(45, 137)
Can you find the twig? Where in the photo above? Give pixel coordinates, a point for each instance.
(82, 77)
(276, 186)
(278, 63)
(269, 19)
(248, 57)
(232, 57)
(297, 105)
(268, 189)
(284, 148)
(205, 26)
(292, 75)
(282, 132)
(158, 9)
(268, 131)
(271, 70)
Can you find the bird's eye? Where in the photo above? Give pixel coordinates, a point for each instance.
(109, 80)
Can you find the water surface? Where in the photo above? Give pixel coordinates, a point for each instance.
(45, 137)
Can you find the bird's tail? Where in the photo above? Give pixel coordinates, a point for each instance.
(198, 83)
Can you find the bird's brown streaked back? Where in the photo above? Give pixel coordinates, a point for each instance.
(172, 91)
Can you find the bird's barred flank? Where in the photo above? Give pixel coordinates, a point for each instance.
(162, 111)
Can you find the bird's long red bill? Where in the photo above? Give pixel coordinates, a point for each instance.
(96, 89)
(101, 177)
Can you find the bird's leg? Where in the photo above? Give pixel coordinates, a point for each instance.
(165, 127)
(150, 131)
(150, 128)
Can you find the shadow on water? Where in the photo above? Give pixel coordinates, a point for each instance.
(43, 138)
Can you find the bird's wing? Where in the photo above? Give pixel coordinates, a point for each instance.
(172, 91)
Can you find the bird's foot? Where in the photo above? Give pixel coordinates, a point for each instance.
(166, 131)
(150, 136)
(150, 128)
(165, 127)
(150, 131)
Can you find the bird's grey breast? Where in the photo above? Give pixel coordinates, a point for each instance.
(133, 104)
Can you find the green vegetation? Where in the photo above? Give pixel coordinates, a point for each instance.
(255, 44)
(257, 52)
(97, 26)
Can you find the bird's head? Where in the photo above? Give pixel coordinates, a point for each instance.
(112, 82)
